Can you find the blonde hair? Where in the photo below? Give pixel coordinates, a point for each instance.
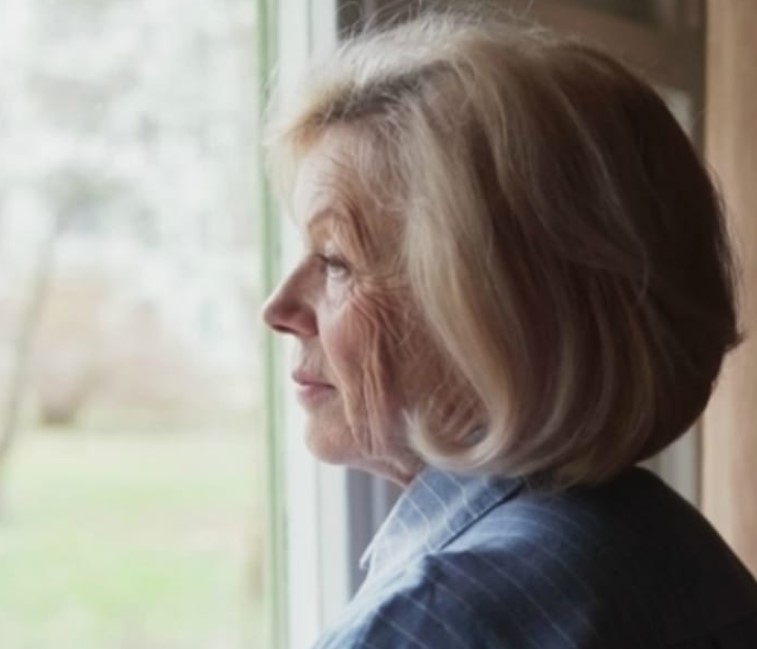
(560, 238)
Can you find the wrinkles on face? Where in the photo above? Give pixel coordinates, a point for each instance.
(376, 401)
(366, 338)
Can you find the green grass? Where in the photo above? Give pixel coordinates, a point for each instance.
(131, 541)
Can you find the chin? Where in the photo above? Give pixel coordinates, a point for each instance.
(339, 448)
(332, 447)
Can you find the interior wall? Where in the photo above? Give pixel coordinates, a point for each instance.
(730, 423)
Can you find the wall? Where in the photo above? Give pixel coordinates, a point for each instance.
(730, 424)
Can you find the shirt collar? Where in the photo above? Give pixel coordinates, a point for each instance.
(435, 508)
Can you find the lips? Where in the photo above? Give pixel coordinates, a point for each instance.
(311, 388)
(303, 378)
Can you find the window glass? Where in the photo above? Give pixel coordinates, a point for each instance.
(131, 494)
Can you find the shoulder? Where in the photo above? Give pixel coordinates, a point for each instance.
(485, 598)
(616, 566)
(454, 599)
(538, 570)
(629, 563)
(421, 609)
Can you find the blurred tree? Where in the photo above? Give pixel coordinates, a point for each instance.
(135, 121)
(22, 345)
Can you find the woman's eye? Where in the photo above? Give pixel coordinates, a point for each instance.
(334, 267)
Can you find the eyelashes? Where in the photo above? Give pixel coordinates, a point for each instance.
(334, 266)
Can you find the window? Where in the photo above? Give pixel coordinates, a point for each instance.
(132, 455)
(140, 504)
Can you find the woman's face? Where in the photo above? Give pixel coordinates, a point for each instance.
(346, 323)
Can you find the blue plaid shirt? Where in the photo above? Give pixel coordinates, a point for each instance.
(482, 562)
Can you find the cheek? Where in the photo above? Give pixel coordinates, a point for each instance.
(339, 328)
(360, 346)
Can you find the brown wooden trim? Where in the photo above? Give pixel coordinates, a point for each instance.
(670, 58)
(730, 431)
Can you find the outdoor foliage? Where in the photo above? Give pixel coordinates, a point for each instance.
(130, 485)
(125, 541)
(127, 131)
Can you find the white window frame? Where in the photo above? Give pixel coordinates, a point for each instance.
(315, 499)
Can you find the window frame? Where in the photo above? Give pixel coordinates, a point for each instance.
(307, 555)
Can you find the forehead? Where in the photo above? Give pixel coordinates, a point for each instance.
(325, 185)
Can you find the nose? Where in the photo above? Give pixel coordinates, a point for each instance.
(286, 311)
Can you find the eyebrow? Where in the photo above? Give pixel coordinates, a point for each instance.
(318, 223)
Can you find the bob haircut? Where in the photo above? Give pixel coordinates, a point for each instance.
(559, 236)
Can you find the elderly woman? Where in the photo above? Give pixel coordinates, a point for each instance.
(516, 286)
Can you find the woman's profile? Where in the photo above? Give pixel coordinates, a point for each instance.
(516, 287)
